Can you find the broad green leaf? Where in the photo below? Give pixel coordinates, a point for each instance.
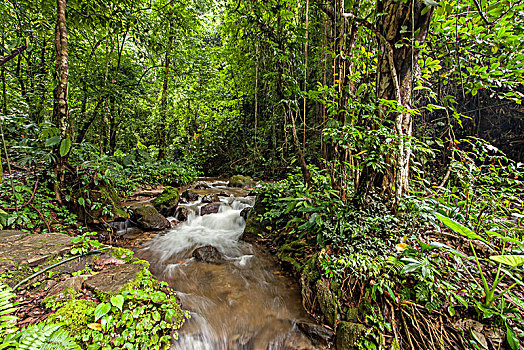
(53, 141)
(117, 301)
(509, 260)
(458, 227)
(513, 341)
(101, 310)
(65, 146)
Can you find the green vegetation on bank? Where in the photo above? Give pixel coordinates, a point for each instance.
(450, 253)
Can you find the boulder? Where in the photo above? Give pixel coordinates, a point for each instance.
(241, 181)
(319, 335)
(245, 212)
(182, 214)
(190, 196)
(349, 335)
(327, 301)
(202, 186)
(254, 225)
(223, 194)
(103, 192)
(208, 254)
(167, 202)
(114, 279)
(210, 198)
(148, 218)
(210, 208)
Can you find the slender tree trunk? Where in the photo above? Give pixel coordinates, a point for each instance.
(60, 108)
(162, 131)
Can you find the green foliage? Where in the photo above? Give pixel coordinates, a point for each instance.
(84, 243)
(143, 316)
(35, 337)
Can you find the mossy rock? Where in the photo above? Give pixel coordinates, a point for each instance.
(76, 314)
(167, 202)
(149, 219)
(327, 301)
(241, 181)
(254, 225)
(349, 335)
(103, 193)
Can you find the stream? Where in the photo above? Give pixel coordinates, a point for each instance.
(244, 302)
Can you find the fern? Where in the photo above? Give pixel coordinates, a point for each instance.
(46, 337)
(36, 337)
(7, 322)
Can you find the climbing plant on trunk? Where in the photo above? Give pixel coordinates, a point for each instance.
(60, 107)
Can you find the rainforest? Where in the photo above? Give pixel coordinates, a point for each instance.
(261, 175)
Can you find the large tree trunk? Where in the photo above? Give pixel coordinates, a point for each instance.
(403, 24)
(396, 66)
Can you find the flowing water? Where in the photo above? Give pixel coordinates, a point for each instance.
(246, 302)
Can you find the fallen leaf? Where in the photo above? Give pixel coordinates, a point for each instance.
(95, 326)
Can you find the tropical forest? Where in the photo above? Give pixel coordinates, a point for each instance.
(261, 174)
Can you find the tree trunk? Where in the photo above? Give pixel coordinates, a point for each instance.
(162, 129)
(60, 108)
(396, 67)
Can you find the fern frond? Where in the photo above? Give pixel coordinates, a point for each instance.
(7, 322)
(46, 337)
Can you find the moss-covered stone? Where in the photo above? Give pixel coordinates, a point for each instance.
(167, 202)
(327, 301)
(103, 193)
(75, 314)
(241, 181)
(254, 225)
(349, 335)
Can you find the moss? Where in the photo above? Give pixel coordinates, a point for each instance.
(241, 181)
(327, 301)
(75, 314)
(349, 335)
(55, 301)
(169, 197)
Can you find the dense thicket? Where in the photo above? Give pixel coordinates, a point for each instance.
(380, 107)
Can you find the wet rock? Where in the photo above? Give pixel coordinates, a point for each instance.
(182, 214)
(103, 193)
(245, 212)
(223, 194)
(167, 202)
(210, 208)
(65, 289)
(210, 198)
(319, 335)
(208, 254)
(18, 248)
(202, 186)
(254, 226)
(148, 218)
(328, 302)
(349, 335)
(114, 279)
(190, 196)
(241, 181)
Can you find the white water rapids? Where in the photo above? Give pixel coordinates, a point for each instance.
(246, 302)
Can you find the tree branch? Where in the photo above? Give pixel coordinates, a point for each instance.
(12, 55)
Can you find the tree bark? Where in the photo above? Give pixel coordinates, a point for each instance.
(396, 67)
(12, 55)
(60, 108)
(162, 130)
